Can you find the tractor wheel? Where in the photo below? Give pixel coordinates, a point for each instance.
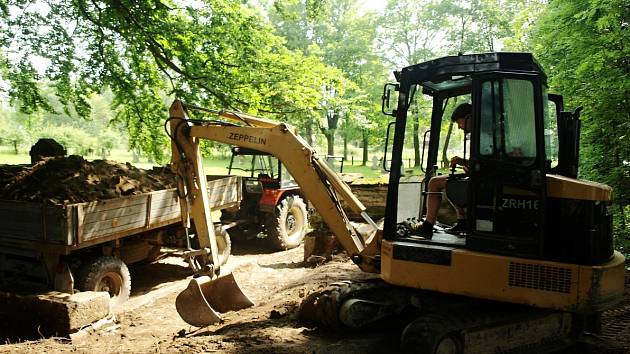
(109, 274)
(287, 226)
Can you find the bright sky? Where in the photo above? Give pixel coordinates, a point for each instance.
(376, 5)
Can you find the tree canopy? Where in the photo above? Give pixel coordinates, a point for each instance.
(585, 48)
(219, 53)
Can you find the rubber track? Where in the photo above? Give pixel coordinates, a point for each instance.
(322, 308)
(616, 325)
(440, 323)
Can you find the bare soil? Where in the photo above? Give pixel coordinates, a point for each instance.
(277, 282)
(73, 179)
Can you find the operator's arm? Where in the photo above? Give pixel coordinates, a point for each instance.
(459, 161)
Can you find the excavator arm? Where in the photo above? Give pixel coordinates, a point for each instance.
(321, 186)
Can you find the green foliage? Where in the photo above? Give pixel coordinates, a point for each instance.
(93, 135)
(475, 25)
(585, 48)
(75, 141)
(219, 53)
(344, 39)
(412, 30)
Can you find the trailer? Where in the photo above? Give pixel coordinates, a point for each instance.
(87, 246)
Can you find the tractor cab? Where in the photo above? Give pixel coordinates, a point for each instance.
(519, 192)
(272, 202)
(261, 170)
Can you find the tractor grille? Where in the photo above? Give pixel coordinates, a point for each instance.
(539, 277)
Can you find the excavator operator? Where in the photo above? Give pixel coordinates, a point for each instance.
(462, 116)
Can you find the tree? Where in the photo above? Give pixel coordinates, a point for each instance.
(218, 53)
(411, 33)
(476, 25)
(585, 48)
(16, 128)
(345, 40)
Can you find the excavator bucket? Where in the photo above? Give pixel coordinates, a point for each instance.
(201, 303)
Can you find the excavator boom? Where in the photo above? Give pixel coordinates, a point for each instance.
(324, 190)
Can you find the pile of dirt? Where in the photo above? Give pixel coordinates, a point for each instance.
(73, 179)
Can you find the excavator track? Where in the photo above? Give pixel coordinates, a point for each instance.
(489, 328)
(323, 308)
(615, 327)
(615, 331)
(439, 324)
(616, 323)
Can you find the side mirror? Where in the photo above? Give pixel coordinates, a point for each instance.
(387, 95)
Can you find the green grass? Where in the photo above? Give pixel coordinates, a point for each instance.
(12, 159)
(370, 175)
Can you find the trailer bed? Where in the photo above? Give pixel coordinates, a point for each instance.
(64, 228)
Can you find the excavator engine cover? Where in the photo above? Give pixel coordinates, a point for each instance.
(201, 303)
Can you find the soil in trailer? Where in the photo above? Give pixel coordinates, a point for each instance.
(73, 179)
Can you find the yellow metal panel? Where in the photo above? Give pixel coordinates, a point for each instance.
(602, 286)
(569, 188)
(487, 276)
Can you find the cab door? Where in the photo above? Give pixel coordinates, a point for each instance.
(507, 166)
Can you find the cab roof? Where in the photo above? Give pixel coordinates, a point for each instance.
(451, 75)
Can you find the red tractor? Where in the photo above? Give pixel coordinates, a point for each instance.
(272, 205)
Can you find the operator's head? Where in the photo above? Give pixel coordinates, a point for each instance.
(461, 115)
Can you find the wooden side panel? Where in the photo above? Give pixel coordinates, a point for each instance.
(33, 222)
(223, 191)
(164, 207)
(84, 224)
(108, 217)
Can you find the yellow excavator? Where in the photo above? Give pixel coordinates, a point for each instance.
(535, 265)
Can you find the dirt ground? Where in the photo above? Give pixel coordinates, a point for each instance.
(276, 282)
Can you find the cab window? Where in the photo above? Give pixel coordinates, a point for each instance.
(551, 130)
(507, 124)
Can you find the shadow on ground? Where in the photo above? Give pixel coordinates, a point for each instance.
(146, 277)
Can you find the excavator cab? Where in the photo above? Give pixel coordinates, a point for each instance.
(532, 226)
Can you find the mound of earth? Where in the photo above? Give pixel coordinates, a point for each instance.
(73, 179)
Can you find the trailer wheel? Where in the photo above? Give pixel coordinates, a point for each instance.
(287, 226)
(108, 274)
(224, 244)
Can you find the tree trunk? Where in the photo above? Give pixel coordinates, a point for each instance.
(445, 161)
(365, 148)
(330, 141)
(15, 147)
(309, 131)
(332, 118)
(345, 147)
(416, 141)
